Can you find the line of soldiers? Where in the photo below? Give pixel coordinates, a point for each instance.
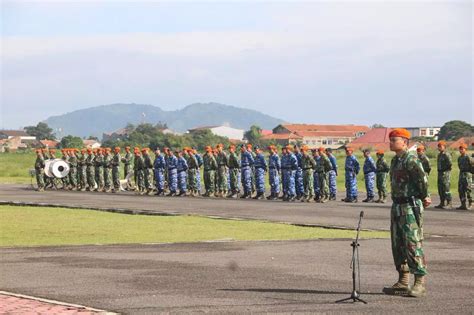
(298, 174)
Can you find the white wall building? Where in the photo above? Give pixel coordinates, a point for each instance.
(223, 131)
(429, 132)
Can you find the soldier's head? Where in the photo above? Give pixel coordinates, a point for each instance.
(296, 148)
(219, 147)
(249, 147)
(89, 150)
(39, 152)
(191, 151)
(52, 151)
(232, 148)
(257, 149)
(208, 149)
(127, 149)
(243, 148)
(83, 151)
(366, 152)
(179, 153)
(304, 149)
(420, 149)
(284, 150)
(116, 149)
(349, 151)
(463, 148)
(399, 139)
(321, 150)
(380, 153)
(289, 149)
(315, 152)
(441, 146)
(329, 151)
(136, 152)
(145, 151)
(157, 151)
(107, 151)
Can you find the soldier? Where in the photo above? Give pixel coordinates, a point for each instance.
(369, 169)
(73, 169)
(198, 170)
(139, 166)
(420, 151)
(90, 172)
(465, 178)
(210, 167)
(234, 168)
(260, 170)
(99, 169)
(222, 164)
(274, 167)
(284, 172)
(382, 170)
(39, 170)
(332, 174)
(316, 187)
(292, 167)
(135, 165)
(159, 166)
(50, 181)
(246, 163)
(127, 166)
(352, 168)
(172, 165)
(444, 177)
(309, 166)
(81, 170)
(410, 196)
(65, 179)
(116, 170)
(252, 167)
(182, 167)
(147, 171)
(193, 167)
(323, 166)
(298, 174)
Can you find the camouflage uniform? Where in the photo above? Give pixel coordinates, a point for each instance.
(292, 166)
(148, 172)
(127, 165)
(408, 180)
(210, 167)
(107, 172)
(465, 181)
(323, 166)
(299, 176)
(140, 174)
(425, 162)
(274, 167)
(352, 168)
(382, 170)
(193, 166)
(234, 167)
(172, 164)
(369, 169)
(81, 169)
(444, 178)
(198, 172)
(222, 173)
(246, 164)
(99, 171)
(65, 179)
(116, 171)
(260, 170)
(39, 171)
(73, 171)
(332, 177)
(182, 167)
(90, 171)
(308, 165)
(159, 166)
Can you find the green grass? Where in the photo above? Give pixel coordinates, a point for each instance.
(14, 169)
(42, 226)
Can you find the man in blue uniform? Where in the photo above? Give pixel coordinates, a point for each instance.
(274, 173)
(182, 168)
(352, 168)
(332, 175)
(172, 164)
(159, 166)
(299, 173)
(369, 176)
(246, 163)
(260, 170)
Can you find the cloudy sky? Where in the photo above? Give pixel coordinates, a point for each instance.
(395, 63)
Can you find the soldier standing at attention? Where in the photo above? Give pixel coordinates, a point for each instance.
(148, 171)
(465, 178)
(252, 167)
(284, 172)
(107, 170)
(332, 175)
(135, 179)
(50, 181)
(182, 168)
(444, 177)
(159, 166)
(172, 164)
(309, 165)
(420, 151)
(139, 172)
(274, 168)
(246, 163)
(210, 167)
(293, 166)
(90, 173)
(260, 170)
(198, 170)
(99, 169)
(73, 169)
(116, 170)
(222, 164)
(369, 176)
(39, 170)
(127, 166)
(81, 170)
(323, 168)
(65, 179)
(299, 173)
(381, 176)
(352, 168)
(193, 167)
(316, 187)
(410, 196)
(234, 168)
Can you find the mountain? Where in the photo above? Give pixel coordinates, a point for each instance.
(94, 121)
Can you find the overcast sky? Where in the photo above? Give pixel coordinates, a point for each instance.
(397, 63)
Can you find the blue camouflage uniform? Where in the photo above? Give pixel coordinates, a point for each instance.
(299, 175)
(246, 163)
(182, 174)
(274, 170)
(159, 166)
(332, 176)
(352, 168)
(291, 171)
(369, 176)
(198, 171)
(317, 188)
(172, 164)
(260, 170)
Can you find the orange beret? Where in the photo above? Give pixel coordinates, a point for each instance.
(304, 148)
(249, 145)
(349, 149)
(380, 151)
(463, 145)
(441, 142)
(420, 147)
(83, 150)
(52, 150)
(321, 149)
(399, 132)
(145, 150)
(38, 150)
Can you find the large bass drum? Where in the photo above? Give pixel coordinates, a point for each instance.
(57, 168)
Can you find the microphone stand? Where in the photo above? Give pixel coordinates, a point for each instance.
(355, 295)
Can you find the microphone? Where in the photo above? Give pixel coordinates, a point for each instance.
(362, 214)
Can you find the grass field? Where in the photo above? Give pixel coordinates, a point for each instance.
(14, 170)
(42, 226)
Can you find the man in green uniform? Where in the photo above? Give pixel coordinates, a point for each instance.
(381, 171)
(410, 196)
(39, 170)
(116, 170)
(234, 169)
(210, 167)
(465, 178)
(309, 165)
(192, 172)
(73, 169)
(221, 172)
(139, 172)
(147, 171)
(65, 179)
(107, 170)
(90, 171)
(323, 166)
(99, 169)
(444, 177)
(127, 166)
(81, 170)
(420, 152)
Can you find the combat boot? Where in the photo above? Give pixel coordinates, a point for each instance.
(441, 205)
(449, 205)
(418, 289)
(469, 205)
(401, 286)
(379, 200)
(463, 206)
(271, 196)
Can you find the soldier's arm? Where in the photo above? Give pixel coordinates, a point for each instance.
(418, 177)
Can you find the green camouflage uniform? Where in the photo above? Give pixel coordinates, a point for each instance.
(234, 167)
(99, 171)
(323, 169)
(381, 172)
(210, 167)
(127, 161)
(192, 169)
(408, 180)
(107, 172)
(148, 172)
(140, 173)
(465, 179)
(73, 171)
(309, 165)
(425, 162)
(65, 179)
(222, 172)
(444, 176)
(81, 171)
(90, 171)
(39, 171)
(116, 171)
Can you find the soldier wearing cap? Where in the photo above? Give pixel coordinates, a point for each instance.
(369, 169)
(246, 164)
(148, 171)
(274, 170)
(420, 151)
(291, 166)
(352, 168)
(50, 182)
(159, 166)
(99, 169)
(381, 172)
(39, 170)
(222, 164)
(193, 167)
(172, 165)
(116, 170)
(444, 176)
(323, 166)
(309, 165)
(210, 168)
(252, 167)
(81, 170)
(234, 169)
(260, 171)
(465, 164)
(410, 196)
(139, 166)
(299, 186)
(135, 179)
(127, 166)
(199, 160)
(332, 174)
(90, 171)
(65, 179)
(182, 168)
(73, 169)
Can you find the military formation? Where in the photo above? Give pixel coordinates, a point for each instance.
(296, 174)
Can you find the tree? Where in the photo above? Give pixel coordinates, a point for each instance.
(41, 131)
(254, 134)
(378, 126)
(455, 129)
(71, 142)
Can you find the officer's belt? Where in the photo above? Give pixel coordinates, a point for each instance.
(307, 168)
(403, 200)
(365, 173)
